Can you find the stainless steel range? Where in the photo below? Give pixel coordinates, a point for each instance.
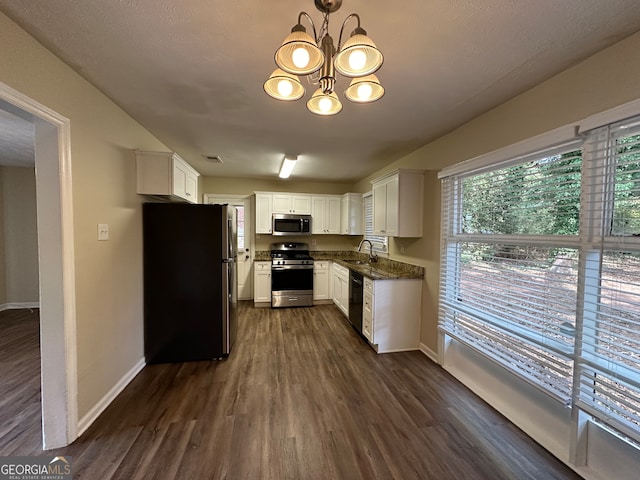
(291, 275)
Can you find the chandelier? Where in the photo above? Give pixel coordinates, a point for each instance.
(318, 59)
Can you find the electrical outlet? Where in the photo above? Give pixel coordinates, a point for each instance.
(103, 231)
(401, 248)
(313, 242)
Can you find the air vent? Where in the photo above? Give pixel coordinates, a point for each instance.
(213, 158)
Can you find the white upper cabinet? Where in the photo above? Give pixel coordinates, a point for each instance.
(264, 210)
(352, 217)
(325, 213)
(398, 204)
(165, 174)
(292, 203)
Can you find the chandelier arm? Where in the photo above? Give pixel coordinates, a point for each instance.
(310, 21)
(342, 28)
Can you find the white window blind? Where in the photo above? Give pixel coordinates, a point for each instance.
(541, 271)
(510, 264)
(379, 242)
(609, 349)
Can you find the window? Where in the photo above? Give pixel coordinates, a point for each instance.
(379, 242)
(541, 270)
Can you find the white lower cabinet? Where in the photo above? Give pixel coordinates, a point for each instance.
(262, 282)
(391, 314)
(321, 280)
(367, 310)
(341, 288)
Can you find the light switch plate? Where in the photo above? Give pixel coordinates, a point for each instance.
(103, 231)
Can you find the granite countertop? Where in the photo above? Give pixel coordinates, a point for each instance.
(383, 269)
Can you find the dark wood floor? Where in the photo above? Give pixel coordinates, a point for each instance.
(300, 397)
(20, 417)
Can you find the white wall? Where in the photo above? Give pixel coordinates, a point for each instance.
(108, 275)
(20, 236)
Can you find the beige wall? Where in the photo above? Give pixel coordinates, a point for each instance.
(109, 308)
(603, 81)
(20, 272)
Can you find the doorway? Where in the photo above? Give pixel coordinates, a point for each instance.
(245, 234)
(51, 140)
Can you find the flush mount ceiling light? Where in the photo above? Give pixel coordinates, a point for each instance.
(318, 59)
(287, 165)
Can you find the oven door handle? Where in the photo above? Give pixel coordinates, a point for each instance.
(292, 267)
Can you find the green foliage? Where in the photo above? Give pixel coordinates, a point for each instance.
(540, 197)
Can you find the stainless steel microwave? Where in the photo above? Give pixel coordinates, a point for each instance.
(289, 224)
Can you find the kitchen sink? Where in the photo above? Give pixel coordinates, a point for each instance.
(357, 262)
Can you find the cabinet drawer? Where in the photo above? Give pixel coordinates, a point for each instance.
(260, 266)
(321, 265)
(368, 285)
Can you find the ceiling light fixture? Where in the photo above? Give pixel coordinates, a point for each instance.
(287, 165)
(318, 59)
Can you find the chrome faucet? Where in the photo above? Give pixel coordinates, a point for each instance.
(372, 258)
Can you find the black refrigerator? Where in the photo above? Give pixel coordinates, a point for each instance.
(190, 286)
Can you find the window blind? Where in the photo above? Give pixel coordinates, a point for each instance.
(608, 364)
(379, 242)
(510, 264)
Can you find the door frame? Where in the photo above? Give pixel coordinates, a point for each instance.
(54, 204)
(249, 222)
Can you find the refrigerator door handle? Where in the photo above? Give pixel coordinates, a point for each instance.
(226, 301)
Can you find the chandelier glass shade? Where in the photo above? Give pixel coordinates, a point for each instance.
(283, 86)
(364, 89)
(322, 103)
(316, 58)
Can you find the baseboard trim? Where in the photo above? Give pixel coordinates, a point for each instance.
(19, 305)
(93, 414)
(433, 356)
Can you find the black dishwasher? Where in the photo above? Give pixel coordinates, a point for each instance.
(355, 300)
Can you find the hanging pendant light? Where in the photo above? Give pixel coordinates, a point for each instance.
(322, 103)
(359, 56)
(299, 53)
(283, 86)
(364, 90)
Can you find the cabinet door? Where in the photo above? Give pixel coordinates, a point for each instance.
(262, 282)
(281, 203)
(320, 284)
(332, 215)
(392, 201)
(191, 188)
(380, 209)
(264, 209)
(179, 180)
(318, 214)
(301, 204)
(352, 215)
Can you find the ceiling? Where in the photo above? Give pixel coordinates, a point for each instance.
(191, 71)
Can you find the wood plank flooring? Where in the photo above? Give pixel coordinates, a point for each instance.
(20, 417)
(302, 397)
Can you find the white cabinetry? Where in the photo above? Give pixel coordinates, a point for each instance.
(341, 288)
(264, 210)
(391, 314)
(325, 213)
(367, 310)
(292, 203)
(262, 282)
(398, 204)
(165, 174)
(321, 280)
(352, 217)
